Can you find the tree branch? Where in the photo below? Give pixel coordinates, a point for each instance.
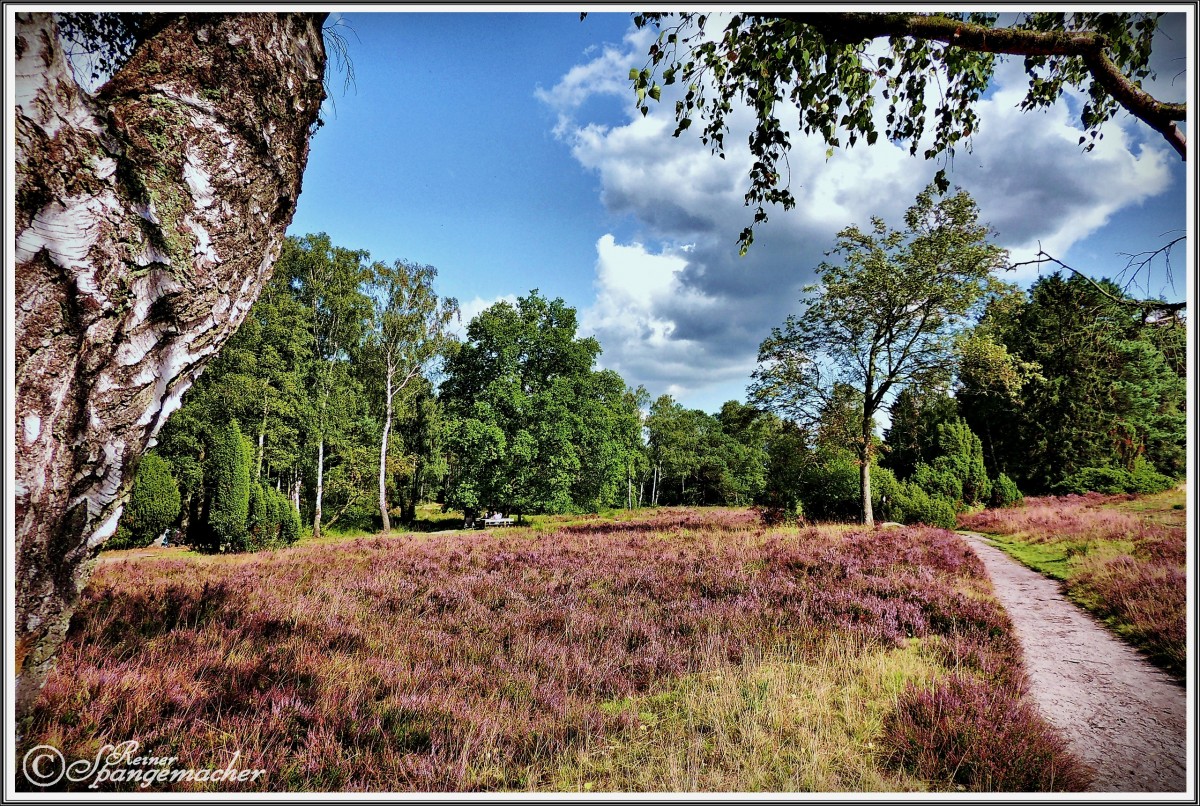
(1088, 45)
(1148, 305)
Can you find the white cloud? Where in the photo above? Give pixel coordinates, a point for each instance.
(470, 309)
(636, 291)
(689, 320)
(606, 74)
(1034, 184)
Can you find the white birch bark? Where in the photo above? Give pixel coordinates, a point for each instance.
(147, 219)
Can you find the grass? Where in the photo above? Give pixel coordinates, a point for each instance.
(778, 721)
(681, 650)
(1121, 557)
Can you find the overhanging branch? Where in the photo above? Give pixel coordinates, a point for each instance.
(1087, 45)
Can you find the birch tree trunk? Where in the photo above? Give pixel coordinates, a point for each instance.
(383, 446)
(320, 486)
(147, 219)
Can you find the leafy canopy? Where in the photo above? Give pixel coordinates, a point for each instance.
(884, 317)
(820, 74)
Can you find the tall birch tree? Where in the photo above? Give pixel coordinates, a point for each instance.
(410, 327)
(147, 217)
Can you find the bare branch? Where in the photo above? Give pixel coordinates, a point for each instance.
(1148, 305)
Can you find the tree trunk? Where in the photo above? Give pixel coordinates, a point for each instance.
(262, 438)
(654, 488)
(864, 458)
(147, 219)
(320, 486)
(383, 446)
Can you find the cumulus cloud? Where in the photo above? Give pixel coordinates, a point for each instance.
(473, 307)
(689, 320)
(1033, 183)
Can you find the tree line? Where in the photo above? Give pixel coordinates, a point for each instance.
(345, 399)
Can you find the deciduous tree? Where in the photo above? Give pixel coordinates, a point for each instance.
(409, 328)
(883, 318)
(328, 281)
(147, 218)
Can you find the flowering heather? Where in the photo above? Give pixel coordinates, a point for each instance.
(472, 661)
(980, 737)
(1126, 566)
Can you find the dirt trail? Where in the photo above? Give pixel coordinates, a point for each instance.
(1123, 716)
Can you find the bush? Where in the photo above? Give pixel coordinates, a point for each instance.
(1107, 480)
(227, 481)
(289, 521)
(968, 733)
(1005, 493)
(938, 480)
(1143, 479)
(153, 504)
(262, 524)
(962, 457)
(914, 505)
(885, 490)
(830, 487)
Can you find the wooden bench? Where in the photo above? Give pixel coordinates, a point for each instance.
(496, 520)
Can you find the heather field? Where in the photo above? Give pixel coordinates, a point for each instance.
(687, 650)
(1121, 557)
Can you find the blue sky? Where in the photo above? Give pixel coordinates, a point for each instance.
(504, 149)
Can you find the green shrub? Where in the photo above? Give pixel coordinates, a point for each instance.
(262, 525)
(1108, 480)
(227, 482)
(1005, 493)
(914, 505)
(830, 487)
(941, 513)
(885, 490)
(823, 485)
(1145, 480)
(961, 455)
(938, 480)
(153, 504)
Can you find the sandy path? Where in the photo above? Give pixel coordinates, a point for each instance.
(1122, 716)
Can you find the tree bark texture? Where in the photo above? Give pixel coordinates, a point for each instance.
(320, 486)
(383, 447)
(147, 219)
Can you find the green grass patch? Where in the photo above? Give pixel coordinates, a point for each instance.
(785, 721)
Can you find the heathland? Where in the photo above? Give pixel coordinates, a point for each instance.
(681, 650)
